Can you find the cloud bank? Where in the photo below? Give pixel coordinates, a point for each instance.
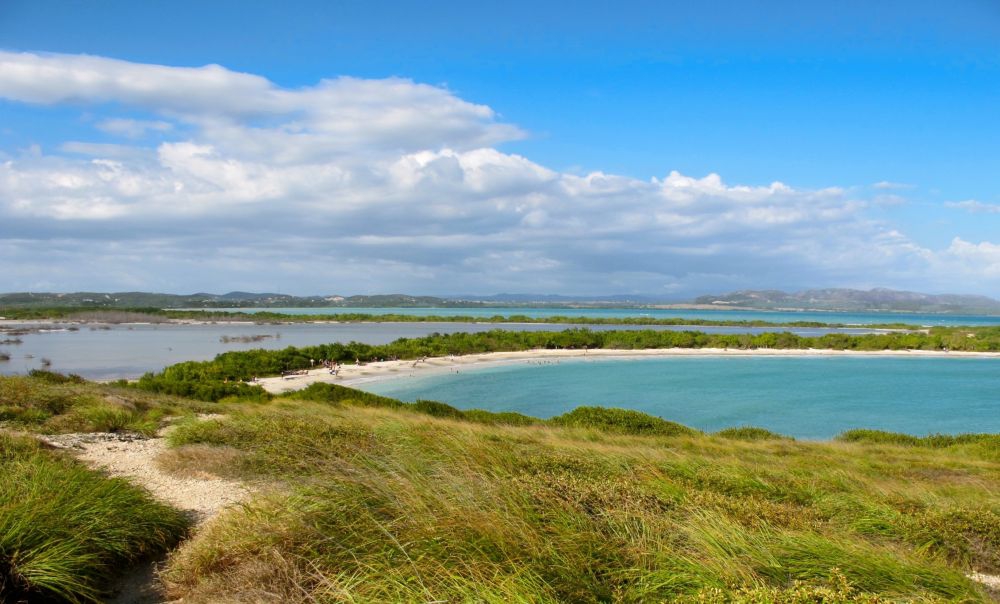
(209, 179)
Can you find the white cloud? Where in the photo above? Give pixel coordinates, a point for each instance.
(975, 207)
(975, 260)
(336, 115)
(388, 185)
(886, 185)
(130, 128)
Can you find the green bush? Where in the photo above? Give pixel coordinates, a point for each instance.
(970, 537)
(51, 403)
(437, 409)
(750, 433)
(334, 393)
(508, 418)
(53, 377)
(625, 421)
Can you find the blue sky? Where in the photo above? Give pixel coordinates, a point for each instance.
(879, 121)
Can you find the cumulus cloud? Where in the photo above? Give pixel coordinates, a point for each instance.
(386, 185)
(973, 259)
(247, 114)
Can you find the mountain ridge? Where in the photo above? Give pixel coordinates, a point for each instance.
(847, 299)
(821, 299)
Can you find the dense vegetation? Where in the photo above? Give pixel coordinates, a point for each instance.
(66, 530)
(366, 498)
(379, 502)
(223, 376)
(49, 403)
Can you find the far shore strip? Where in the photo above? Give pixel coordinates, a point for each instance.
(353, 375)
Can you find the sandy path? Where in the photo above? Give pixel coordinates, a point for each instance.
(992, 582)
(133, 456)
(350, 375)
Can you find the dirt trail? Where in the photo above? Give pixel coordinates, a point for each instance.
(133, 456)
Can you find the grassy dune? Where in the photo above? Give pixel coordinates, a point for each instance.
(368, 499)
(51, 403)
(391, 504)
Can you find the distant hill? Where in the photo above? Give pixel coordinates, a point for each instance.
(205, 300)
(815, 299)
(878, 299)
(556, 299)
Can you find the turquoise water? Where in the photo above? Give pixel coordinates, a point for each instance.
(848, 318)
(812, 398)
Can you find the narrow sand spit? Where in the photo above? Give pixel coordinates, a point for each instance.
(133, 456)
(350, 375)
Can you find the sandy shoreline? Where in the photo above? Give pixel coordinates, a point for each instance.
(353, 375)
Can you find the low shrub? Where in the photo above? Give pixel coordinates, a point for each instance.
(50, 402)
(334, 393)
(54, 377)
(436, 409)
(750, 433)
(507, 418)
(624, 421)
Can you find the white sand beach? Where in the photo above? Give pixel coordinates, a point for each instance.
(353, 375)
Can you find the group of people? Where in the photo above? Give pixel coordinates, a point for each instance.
(333, 367)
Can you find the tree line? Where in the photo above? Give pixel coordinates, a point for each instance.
(225, 375)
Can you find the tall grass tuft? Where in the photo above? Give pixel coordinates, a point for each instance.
(66, 530)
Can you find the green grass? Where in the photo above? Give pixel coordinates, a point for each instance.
(750, 433)
(384, 502)
(364, 498)
(66, 530)
(46, 402)
(625, 421)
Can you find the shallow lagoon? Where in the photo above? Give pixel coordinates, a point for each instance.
(845, 318)
(805, 397)
(128, 351)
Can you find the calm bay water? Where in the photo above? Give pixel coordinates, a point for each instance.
(846, 318)
(812, 398)
(803, 397)
(130, 350)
